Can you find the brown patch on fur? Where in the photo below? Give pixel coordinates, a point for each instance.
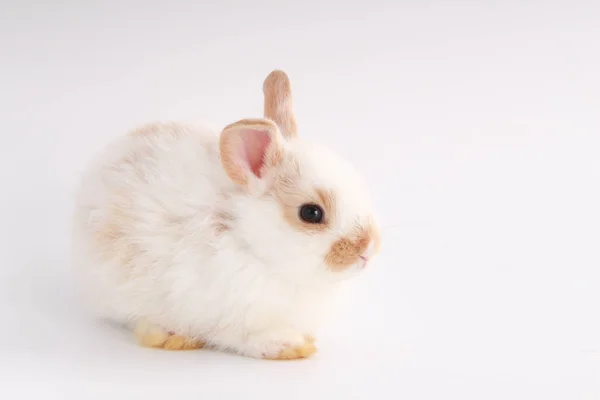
(229, 144)
(223, 216)
(347, 250)
(219, 228)
(293, 353)
(290, 197)
(222, 222)
(279, 104)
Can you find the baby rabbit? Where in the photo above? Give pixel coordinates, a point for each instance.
(236, 240)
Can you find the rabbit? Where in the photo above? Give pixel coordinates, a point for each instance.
(237, 240)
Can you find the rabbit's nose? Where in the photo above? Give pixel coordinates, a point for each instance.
(369, 251)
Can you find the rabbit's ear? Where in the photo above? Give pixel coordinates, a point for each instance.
(279, 106)
(249, 148)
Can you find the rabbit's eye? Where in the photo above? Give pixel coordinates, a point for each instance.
(311, 213)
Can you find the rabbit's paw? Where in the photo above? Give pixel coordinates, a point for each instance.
(149, 335)
(304, 350)
(284, 345)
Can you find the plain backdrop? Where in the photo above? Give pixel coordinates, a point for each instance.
(477, 125)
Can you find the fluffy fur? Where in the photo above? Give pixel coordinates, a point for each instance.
(192, 236)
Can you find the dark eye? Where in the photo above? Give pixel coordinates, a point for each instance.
(311, 213)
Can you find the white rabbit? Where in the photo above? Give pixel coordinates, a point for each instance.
(237, 240)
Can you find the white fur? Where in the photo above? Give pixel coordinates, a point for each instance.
(251, 289)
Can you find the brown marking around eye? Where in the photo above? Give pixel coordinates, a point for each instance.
(328, 202)
(290, 197)
(347, 250)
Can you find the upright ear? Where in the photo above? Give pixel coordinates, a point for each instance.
(279, 105)
(249, 148)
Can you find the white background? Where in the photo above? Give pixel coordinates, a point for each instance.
(477, 125)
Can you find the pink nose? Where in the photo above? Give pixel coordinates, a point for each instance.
(369, 251)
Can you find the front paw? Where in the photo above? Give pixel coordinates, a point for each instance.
(153, 336)
(284, 344)
(305, 350)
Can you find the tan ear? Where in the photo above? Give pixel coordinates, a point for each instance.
(249, 148)
(279, 105)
